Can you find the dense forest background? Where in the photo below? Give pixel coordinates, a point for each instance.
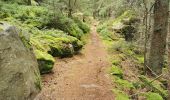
(135, 33)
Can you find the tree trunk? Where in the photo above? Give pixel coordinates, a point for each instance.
(159, 36)
(29, 2)
(69, 9)
(70, 13)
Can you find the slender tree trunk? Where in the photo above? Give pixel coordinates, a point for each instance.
(168, 78)
(70, 9)
(159, 36)
(29, 2)
(146, 34)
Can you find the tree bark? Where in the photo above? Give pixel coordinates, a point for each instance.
(159, 36)
(69, 9)
(29, 2)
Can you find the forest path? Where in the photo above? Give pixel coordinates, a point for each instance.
(82, 77)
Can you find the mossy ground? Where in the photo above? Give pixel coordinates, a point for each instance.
(127, 65)
(50, 37)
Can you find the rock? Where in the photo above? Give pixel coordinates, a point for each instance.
(45, 61)
(19, 73)
(131, 21)
(118, 27)
(128, 31)
(127, 27)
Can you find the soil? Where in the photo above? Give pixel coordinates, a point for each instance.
(82, 77)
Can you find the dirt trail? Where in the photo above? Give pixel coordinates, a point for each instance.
(81, 77)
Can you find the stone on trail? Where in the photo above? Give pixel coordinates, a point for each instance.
(19, 73)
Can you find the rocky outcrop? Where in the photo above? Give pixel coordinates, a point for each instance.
(127, 27)
(19, 73)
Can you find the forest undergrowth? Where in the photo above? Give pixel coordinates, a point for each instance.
(127, 70)
(59, 29)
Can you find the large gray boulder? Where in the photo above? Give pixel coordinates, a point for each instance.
(19, 73)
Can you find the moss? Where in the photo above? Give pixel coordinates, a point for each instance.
(26, 42)
(106, 29)
(154, 86)
(115, 70)
(36, 43)
(120, 95)
(123, 47)
(123, 84)
(126, 15)
(1, 29)
(82, 25)
(67, 25)
(153, 96)
(38, 82)
(62, 50)
(56, 43)
(137, 85)
(116, 61)
(34, 18)
(44, 56)
(140, 59)
(45, 61)
(108, 35)
(59, 46)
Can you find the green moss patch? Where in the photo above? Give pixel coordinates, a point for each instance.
(153, 96)
(57, 44)
(120, 95)
(46, 61)
(123, 84)
(154, 86)
(84, 27)
(116, 71)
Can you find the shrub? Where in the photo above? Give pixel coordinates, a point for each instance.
(82, 25)
(120, 95)
(153, 96)
(67, 25)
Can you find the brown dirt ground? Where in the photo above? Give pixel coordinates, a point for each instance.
(82, 77)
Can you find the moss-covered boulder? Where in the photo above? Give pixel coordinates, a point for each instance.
(56, 44)
(67, 25)
(19, 74)
(128, 31)
(45, 61)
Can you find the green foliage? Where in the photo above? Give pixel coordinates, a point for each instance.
(108, 35)
(108, 29)
(36, 24)
(115, 70)
(153, 96)
(36, 16)
(154, 86)
(56, 43)
(123, 84)
(116, 61)
(111, 22)
(123, 47)
(84, 27)
(103, 25)
(140, 58)
(67, 25)
(32, 16)
(120, 95)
